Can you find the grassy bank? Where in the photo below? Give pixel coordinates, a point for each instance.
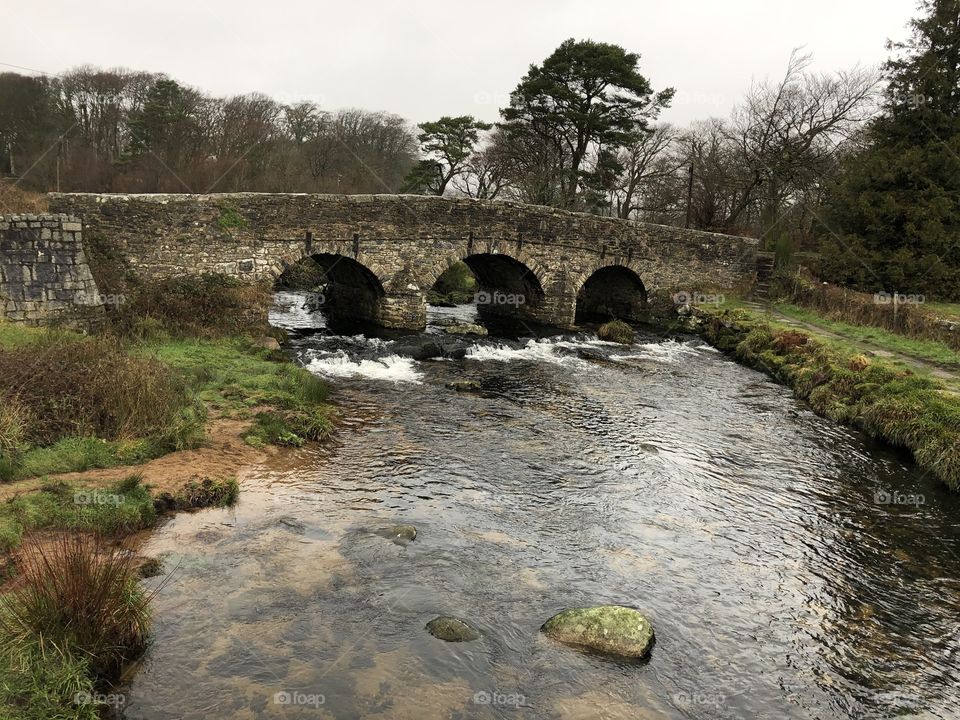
(893, 404)
(932, 351)
(176, 357)
(73, 613)
(178, 352)
(910, 316)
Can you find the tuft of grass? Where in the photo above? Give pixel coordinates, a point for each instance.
(201, 493)
(887, 402)
(38, 685)
(78, 598)
(616, 331)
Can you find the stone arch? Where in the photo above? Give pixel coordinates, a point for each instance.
(611, 290)
(531, 267)
(350, 289)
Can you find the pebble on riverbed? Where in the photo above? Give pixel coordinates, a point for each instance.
(607, 629)
(452, 629)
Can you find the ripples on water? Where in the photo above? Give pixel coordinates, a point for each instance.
(660, 476)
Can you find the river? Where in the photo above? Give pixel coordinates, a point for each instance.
(791, 568)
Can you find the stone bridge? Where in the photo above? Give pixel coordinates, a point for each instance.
(382, 253)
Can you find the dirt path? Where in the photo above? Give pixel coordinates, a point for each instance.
(949, 375)
(223, 454)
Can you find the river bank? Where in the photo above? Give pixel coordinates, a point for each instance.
(232, 403)
(898, 405)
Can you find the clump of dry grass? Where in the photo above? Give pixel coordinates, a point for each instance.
(65, 385)
(14, 200)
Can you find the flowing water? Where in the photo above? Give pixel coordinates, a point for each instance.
(790, 567)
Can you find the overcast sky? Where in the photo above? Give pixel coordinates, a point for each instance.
(424, 59)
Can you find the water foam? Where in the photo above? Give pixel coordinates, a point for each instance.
(392, 368)
(535, 350)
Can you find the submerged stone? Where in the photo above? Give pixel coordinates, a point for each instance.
(608, 629)
(464, 385)
(400, 534)
(452, 629)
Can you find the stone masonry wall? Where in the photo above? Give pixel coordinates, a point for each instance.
(44, 275)
(406, 241)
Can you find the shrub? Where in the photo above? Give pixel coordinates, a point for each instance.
(79, 598)
(201, 306)
(76, 386)
(616, 331)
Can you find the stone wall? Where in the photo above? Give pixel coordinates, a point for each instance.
(44, 275)
(406, 241)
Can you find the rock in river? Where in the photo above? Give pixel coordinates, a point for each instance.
(400, 534)
(607, 629)
(465, 329)
(452, 630)
(464, 385)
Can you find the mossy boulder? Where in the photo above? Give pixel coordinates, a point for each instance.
(616, 331)
(452, 629)
(607, 629)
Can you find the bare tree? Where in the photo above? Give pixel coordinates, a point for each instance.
(787, 133)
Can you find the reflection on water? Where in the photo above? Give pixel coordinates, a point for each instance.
(660, 476)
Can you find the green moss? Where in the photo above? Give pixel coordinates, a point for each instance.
(230, 218)
(616, 331)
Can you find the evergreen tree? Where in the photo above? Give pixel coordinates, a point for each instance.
(893, 220)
